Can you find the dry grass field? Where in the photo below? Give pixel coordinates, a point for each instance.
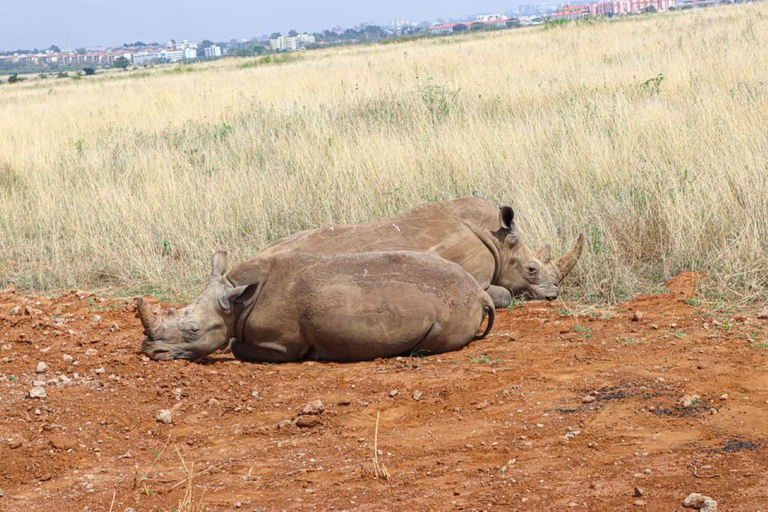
(649, 134)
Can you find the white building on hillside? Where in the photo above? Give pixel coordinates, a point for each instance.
(212, 51)
(291, 44)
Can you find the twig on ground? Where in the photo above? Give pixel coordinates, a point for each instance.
(379, 470)
(697, 475)
(112, 505)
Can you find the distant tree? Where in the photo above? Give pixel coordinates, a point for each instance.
(81, 51)
(15, 78)
(54, 48)
(89, 71)
(173, 41)
(121, 62)
(62, 74)
(275, 35)
(292, 33)
(650, 9)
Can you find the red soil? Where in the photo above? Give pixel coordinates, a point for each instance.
(490, 430)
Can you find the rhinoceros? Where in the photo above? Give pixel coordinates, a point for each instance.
(470, 231)
(349, 307)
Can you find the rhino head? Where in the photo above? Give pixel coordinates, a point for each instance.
(201, 328)
(532, 275)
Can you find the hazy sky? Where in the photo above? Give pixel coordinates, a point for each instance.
(30, 24)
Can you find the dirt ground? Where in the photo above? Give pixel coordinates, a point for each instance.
(561, 407)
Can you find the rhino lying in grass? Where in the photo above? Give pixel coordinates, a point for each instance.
(338, 308)
(470, 231)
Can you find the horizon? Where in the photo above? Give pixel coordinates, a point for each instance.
(91, 23)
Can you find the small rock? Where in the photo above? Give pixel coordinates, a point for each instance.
(213, 402)
(91, 352)
(41, 367)
(688, 401)
(700, 502)
(37, 392)
(638, 492)
(393, 393)
(17, 310)
(588, 399)
(307, 421)
(654, 327)
(67, 358)
(417, 395)
(1, 493)
(482, 405)
(637, 316)
(313, 407)
(284, 424)
(163, 416)
(255, 394)
(639, 503)
(61, 442)
(15, 442)
(724, 396)
(763, 314)
(97, 319)
(99, 370)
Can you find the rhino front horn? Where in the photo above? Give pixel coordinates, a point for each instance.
(566, 263)
(148, 320)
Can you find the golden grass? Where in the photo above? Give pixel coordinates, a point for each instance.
(649, 134)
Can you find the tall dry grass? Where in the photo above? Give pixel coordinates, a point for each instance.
(648, 134)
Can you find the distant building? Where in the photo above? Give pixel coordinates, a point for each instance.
(490, 17)
(190, 53)
(291, 44)
(212, 51)
(535, 9)
(610, 8)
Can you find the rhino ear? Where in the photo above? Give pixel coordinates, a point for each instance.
(545, 253)
(507, 217)
(219, 264)
(238, 295)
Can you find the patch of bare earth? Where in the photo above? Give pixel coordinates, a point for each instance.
(552, 411)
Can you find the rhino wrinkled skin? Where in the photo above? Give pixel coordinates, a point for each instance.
(470, 231)
(349, 307)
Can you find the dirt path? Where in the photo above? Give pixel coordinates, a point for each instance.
(504, 424)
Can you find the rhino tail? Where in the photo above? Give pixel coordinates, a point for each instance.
(490, 312)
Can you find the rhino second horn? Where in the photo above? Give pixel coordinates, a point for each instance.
(566, 263)
(148, 320)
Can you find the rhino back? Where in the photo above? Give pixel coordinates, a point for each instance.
(439, 227)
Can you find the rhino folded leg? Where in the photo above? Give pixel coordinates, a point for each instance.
(500, 296)
(271, 352)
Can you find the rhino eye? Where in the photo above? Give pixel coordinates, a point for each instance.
(532, 269)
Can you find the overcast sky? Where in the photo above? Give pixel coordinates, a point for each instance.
(26, 24)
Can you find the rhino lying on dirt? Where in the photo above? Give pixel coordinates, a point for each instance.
(470, 231)
(338, 308)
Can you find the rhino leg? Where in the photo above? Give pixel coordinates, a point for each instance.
(500, 296)
(277, 351)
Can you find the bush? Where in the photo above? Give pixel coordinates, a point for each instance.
(15, 78)
(89, 71)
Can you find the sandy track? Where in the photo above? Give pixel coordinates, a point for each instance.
(500, 425)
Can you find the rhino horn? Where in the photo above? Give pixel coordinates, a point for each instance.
(566, 263)
(148, 319)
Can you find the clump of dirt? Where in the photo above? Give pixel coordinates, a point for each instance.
(501, 425)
